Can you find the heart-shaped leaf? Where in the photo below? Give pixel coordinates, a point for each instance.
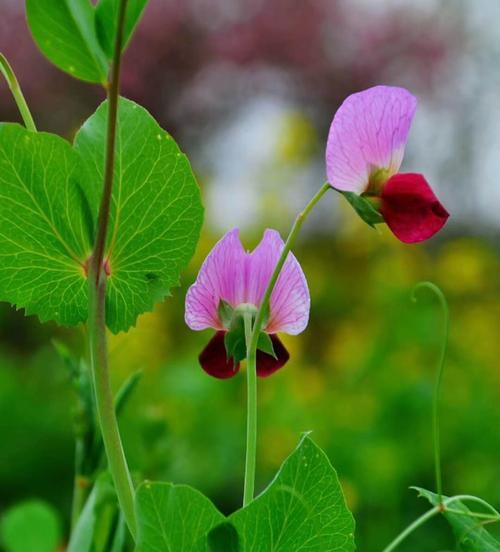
(50, 198)
(173, 517)
(302, 509)
(106, 18)
(470, 532)
(65, 32)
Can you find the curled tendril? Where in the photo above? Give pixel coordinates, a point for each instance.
(439, 377)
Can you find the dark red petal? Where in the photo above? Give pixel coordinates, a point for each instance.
(214, 361)
(411, 209)
(267, 364)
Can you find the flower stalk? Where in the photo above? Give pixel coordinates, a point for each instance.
(252, 339)
(15, 88)
(439, 378)
(97, 303)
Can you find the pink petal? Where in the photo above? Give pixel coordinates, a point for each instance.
(214, 361)
(267, 364)
(220, 277)
(369, 132)
(411, 209)
(290, 302)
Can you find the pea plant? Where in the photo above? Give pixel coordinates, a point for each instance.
(98, 231)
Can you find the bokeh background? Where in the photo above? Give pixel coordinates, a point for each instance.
(249, 88)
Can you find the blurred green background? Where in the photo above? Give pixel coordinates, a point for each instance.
(249, 88)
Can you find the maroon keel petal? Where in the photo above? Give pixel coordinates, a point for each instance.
(214, 361)
(267, 364)
(411, 209)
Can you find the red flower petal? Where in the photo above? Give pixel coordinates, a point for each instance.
(267, 364)
(410, 208)
(214, 361)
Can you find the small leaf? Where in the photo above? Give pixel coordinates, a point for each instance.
(225, 312)
(106, 19)
(265, 344)
(173, 517)
(302, 509)
(64, 30)
(156, 214)
(235, 342)
(364, 208)
(31, 525)
(469, 532)
(96, 525)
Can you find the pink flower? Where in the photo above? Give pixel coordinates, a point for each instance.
(365, 149)
(232, 280)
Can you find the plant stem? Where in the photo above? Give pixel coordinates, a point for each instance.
(113, 96)
(15, 88)
(252, 337)
(251, 451)
(97, 304)
(439, 378)
(415, 525)
(117, 462)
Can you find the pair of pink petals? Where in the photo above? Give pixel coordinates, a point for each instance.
(231, 274)
(364, 152)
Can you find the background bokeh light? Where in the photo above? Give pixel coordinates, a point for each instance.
(248, 88)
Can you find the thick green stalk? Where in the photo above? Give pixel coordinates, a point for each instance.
(439, 378)
(117, 462)
(15, 88)
(252, 338)
(97, 303)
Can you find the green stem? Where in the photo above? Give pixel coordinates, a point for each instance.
(440, 508)
(252, 338)
(439, 378)
(117, 462)
(415, 525)
(15, 88)
(251, 451)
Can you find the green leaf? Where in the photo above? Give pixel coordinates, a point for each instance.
(265, 344)
(156, 211)
(31, 525)
(106, 19)
(469, 532)
(302, 509)
(173, 517)
(99, 519)
(235, 342)
(44, 233)
(364, 208)
(64, 30)
(225, 312)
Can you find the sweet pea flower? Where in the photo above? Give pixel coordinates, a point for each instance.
(233, 281)
(364, 152)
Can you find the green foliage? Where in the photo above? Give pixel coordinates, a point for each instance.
(469, 532)
(265, 344)
(235, 342)
(100, 526)
(44, 238)
(30, 526)
(65, 32)
(50, 199)
(173, 517)
(302, 509)
(364, 208)
(106, 18)
(156, 213)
